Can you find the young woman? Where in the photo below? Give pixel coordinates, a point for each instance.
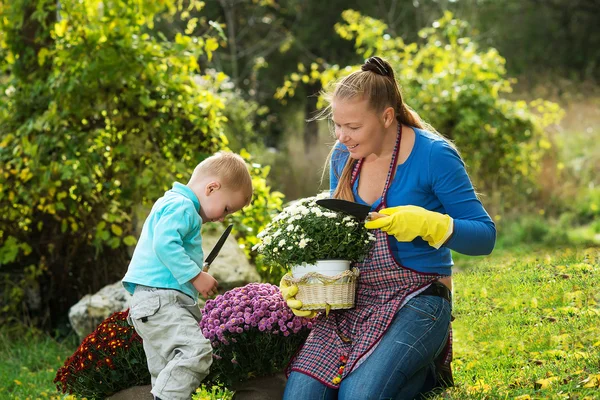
(396, 342)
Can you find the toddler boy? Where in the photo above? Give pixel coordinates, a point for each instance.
(165, 273)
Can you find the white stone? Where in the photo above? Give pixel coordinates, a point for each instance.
(91, 310)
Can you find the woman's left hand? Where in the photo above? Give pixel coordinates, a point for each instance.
(405, 223)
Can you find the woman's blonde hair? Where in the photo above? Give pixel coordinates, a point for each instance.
(375, 81)
(230, 169)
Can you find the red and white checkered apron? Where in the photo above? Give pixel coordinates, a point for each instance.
(383, 286)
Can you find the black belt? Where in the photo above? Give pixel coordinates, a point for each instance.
(438, 289)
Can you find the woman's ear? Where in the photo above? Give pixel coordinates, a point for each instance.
(389, 114)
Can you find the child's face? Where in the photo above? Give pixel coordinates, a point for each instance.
(217, 202)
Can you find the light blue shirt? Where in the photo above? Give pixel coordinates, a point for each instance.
(169, 251)
(432, 177)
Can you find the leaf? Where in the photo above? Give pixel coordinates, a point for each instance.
(592, 381)
(129, 240)
(116, 230)
(545, 383)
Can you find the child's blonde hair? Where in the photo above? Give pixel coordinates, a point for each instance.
(230, 169)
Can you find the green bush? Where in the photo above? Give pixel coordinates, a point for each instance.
(265, 205)
(97, 115)
(458, 88)
(533, 229)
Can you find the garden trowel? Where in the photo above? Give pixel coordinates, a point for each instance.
(360, 211)
(215, 251)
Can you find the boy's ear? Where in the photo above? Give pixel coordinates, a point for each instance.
(212, 187)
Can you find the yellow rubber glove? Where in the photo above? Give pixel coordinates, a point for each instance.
(288, 292)
(405, 223)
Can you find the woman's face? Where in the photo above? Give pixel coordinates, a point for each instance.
(358, 127)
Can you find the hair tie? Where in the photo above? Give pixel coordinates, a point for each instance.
(378, 64)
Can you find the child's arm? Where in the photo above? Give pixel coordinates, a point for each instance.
(205, 284)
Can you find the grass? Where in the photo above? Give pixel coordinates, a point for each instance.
(29, 363)
(527, 327)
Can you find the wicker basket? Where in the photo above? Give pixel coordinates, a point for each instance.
(321, 292)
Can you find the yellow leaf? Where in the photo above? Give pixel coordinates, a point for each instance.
(60, 28)
(116, 229)
(523, 397)
(545, 383)
(211, 44)
(592, 381)
(17, 382)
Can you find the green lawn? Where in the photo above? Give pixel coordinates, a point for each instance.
(527, 327)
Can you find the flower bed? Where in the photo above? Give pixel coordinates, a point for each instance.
(108, 360)
(251, 329)
(253, 333)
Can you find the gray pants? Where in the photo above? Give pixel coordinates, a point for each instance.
(178, 354)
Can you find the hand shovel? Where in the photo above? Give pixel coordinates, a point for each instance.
(215, 250)
(360, 211)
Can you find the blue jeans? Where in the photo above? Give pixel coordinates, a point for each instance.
(400, 368)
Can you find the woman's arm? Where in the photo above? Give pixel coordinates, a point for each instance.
(474, 231)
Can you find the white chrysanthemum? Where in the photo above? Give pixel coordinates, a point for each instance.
(330, 214)
(303, 243)
(261, 234)
(281, 243)
(290, 227)
(317, 211)
(351, 223)
(257, 247)
(267, 240)
(347, 218)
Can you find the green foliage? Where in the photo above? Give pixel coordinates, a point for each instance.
(96, 115)
(533, 230)
(215, 392)
(458, 88)
(587, 205)
(252, 220)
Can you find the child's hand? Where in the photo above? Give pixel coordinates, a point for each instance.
(205, 284)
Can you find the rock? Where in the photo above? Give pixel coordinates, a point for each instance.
(231, 268)
(91, 310)
(133, 393)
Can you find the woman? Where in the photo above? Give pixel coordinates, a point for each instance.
(396, 342)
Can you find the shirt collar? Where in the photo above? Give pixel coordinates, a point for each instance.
(187, 192)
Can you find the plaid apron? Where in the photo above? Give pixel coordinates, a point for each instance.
(345, 338)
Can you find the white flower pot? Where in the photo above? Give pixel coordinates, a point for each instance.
(324, 267)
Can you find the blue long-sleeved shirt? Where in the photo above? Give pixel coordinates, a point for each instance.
(432, 177)
(169, 251)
